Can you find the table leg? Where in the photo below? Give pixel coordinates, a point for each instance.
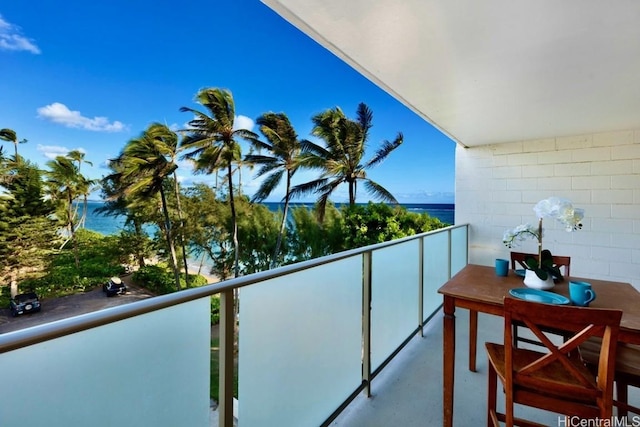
(449, 352)
(473, 339)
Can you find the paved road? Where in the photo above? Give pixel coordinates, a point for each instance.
(72, 305)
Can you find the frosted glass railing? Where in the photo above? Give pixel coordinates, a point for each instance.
(300, 345)
(311, 336)
(148, 370)
(394, 298)
(309, 340)
(435, 270)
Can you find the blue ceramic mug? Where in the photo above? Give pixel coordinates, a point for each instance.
(580, 293)
(502, 267)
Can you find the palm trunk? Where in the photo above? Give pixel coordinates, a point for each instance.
(138, 229)
(234, 225)
(236, 263)
(181, 235)
(167, 227)
(352, 193)
(274, 261)
(85, 208)
(72, 229)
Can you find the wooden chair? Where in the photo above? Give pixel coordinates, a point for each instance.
(517, 262)
(627, 370)
(556, 380)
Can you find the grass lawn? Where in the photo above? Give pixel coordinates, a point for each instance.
(215, 377)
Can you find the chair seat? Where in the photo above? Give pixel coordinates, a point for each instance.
(627, 370)
(554, 373)
(627, 356)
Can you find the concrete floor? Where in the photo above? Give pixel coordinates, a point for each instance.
(408, 392)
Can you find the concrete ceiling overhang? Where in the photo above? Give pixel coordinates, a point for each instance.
(490, 71)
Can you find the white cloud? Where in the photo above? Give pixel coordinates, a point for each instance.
(59, 113)
(52, 151)
(12, 39)
(243, 122)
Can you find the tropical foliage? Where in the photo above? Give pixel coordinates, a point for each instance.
(220, 227)
(142, 169)
(377, 222)
(340, 160)
(282, 159)
(212, 142)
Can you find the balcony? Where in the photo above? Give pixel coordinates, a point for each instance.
(310, 351)
(306, 344)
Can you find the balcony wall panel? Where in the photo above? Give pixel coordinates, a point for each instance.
(394, 296)
(436, 270)
(459, 249)
(300, 345)
(149, 370)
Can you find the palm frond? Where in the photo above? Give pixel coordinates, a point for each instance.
(308, 147)
(379, 192)
(268, 185)
(385, 150)
(269, 167)
(8, 135)
(365, 119)
(259, 159)
(307, 188)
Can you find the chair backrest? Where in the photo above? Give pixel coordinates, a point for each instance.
(541, 372)
(518, 261)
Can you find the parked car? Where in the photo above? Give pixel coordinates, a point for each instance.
(114, 286)
(25, 303)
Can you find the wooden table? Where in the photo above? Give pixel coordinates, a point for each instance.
(478, 288)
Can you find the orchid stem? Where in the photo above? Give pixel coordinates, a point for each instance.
(540, 243)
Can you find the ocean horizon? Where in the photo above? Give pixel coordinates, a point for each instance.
(109, 225)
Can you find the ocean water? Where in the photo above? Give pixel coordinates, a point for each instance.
(108, 225)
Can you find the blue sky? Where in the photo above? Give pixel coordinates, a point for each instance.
(92, 75)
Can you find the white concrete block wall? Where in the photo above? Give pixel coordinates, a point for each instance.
(498, 185)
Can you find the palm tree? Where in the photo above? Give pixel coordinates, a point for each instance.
(63, 180)
(285, 149)
(10, 135)
(213, 144)
(341, 159)
(143, 168)
(162, 133)
(116, 204)
(85, 186)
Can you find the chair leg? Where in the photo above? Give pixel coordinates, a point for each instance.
(622, 397)
(473, 339)
(508, 410)
(492, 390)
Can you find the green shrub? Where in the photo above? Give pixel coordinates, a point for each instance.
(215, 309)
(195, 280)
(156, 279)
(5, 296)
(160, 280)
(98, 261)
(378, 222)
